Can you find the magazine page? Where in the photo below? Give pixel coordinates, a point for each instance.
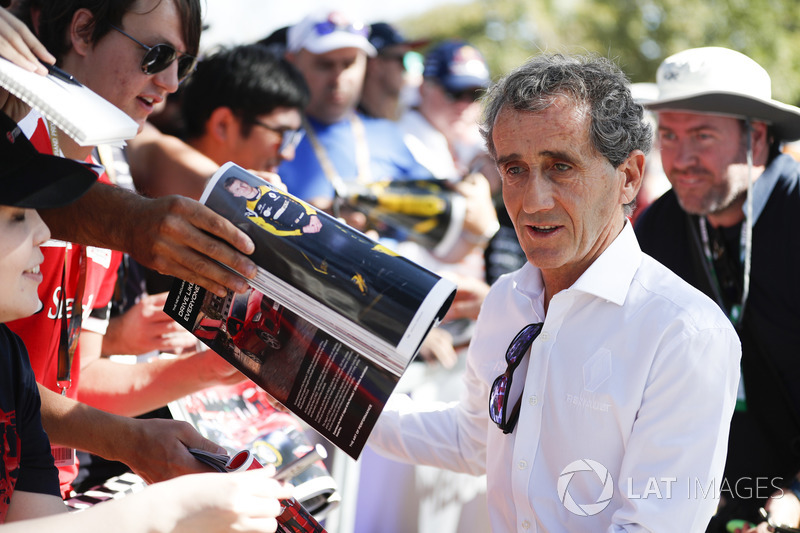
(329, 273)
(327, 384)
(242, 417)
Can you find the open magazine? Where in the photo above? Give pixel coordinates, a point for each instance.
(333, 318)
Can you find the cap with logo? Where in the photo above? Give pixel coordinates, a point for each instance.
(721, 81)
(456, 66)
(34, 180)
(322, 32)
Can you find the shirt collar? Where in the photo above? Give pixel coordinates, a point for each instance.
(609, 277)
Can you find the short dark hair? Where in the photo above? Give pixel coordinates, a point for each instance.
(617, 122)
(248, 79)
(50, 20)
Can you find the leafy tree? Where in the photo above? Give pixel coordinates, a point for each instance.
(638, 34)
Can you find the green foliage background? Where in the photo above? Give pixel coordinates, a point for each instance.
(638, 34)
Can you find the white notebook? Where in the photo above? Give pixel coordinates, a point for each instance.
(75, 109)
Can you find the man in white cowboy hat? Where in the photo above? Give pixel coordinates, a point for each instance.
(729, 226)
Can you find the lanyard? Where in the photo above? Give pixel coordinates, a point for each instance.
(745, 250)
(361, 153)
(70, 325)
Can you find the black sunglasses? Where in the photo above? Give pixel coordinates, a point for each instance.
(159, 57)
(397, 57)
(289, 138)
(498, 395)
(463, 95)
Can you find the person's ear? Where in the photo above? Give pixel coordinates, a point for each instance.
(80, 31)
(633, 170)
(221, 123)
(760, 139)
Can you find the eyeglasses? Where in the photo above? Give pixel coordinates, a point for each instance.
(324, 28)
(289, 138)
(498, 395)
(463, 95)
(161, 56)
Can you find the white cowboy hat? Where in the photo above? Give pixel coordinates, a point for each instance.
(722, 81)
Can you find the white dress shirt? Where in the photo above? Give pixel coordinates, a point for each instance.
(633, 376)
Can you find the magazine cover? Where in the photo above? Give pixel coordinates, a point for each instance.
(332, 319)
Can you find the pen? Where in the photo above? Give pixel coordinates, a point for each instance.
(60, 74)
(294, 467)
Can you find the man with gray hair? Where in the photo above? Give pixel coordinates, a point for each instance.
(729, 227)
(612, 402)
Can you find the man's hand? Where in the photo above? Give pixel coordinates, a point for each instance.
(481, 216)
(158, 449)
(313, 226)
(438, 347)
(145, 327)
(783, 508)
(470, 293)
(242, 501)
(269, 177)
(215, 370)
(176, 236)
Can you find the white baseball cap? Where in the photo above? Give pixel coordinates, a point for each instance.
(324, 31)
(722, 81)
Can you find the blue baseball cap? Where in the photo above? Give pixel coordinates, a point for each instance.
(457, 66)
(383, 35)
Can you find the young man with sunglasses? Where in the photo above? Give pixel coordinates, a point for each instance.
(442, 128)
(134, 76)
(245, 105)
(599, 386)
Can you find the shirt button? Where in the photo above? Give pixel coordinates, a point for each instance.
(522, 465)
(526, 525)
(545, 336)
(533, 400)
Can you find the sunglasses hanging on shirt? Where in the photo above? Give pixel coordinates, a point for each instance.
(501, 388)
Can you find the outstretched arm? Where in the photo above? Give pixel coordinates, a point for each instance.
(173, 235)
(243, 501)
(155, 449)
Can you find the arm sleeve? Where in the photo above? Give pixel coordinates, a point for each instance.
(446, 435)
(687, 405)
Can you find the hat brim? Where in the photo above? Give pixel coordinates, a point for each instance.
(338, 40)
(784, 118)
(460, 83)
(47, 181)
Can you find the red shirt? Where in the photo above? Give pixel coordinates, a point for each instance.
(41, 332)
